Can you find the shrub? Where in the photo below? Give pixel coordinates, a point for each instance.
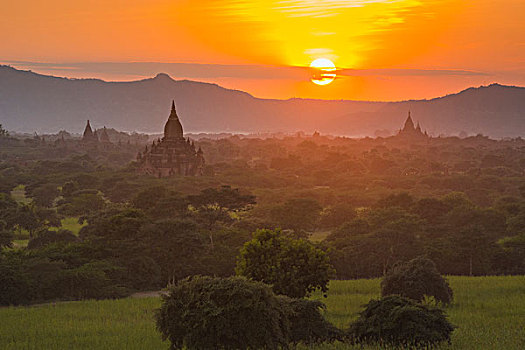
(415, 279)
(294, 267)
(308, 326)
(214, 313)
(45, 237)
(400, 322)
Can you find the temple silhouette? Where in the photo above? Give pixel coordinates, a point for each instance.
(411, 132)
(173, 154)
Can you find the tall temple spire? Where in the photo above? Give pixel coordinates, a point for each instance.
(173, 128)
(88, 132)
(89, 135)
(409, 124)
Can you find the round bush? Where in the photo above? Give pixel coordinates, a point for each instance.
(307, 324)
(216, 313)
(400, 322)
(415, 279)
(293, 267)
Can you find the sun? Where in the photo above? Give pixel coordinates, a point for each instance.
(323, 71)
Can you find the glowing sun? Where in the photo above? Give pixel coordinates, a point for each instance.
(323, 71)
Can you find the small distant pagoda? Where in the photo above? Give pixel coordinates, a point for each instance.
(89, 137)
(173, 155)
(412, 132)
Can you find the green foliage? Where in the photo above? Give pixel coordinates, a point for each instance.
(337, 215)
(214, 313)
(225, 197)
(400, 322)
(307, 324)
(298, 214)
(6, 236)
(15, 285)
(44, 195)
(36, 276)
(45, 237)
(3, 132)
(489, 310)
(416, 279)
(294, 267)
(401, 200)
(81, 203)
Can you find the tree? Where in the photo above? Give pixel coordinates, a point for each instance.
(8, 210)
(294, 267)
(400, 322)
(216, 313)
(402, 200)
(6, 236)
(44, 237)
(226, 197)
(431, 209)
(177, 246)
(82, 203)
(416, 279)
(337, 215)
(307, 324)
(214, 206)
(3, 132)
(27, 219)
(299, 214)
(44, 195)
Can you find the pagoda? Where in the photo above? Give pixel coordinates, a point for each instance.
(173, 154)
(410, 131)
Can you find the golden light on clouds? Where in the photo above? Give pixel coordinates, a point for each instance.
(295, 32)
(388, 49)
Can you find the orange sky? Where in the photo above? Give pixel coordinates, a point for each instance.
(386, 49)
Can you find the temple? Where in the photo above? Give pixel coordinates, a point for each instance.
(93, 139)
(89, 137)
(410, 131)
(173, 155)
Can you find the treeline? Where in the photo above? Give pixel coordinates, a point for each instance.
(463, 208)
(125, 248)
(162, 236)
(460, 237)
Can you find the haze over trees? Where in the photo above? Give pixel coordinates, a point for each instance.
(80, 223)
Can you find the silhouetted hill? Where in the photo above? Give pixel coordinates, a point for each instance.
(35, 102)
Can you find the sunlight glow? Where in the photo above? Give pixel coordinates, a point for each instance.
(323, 71)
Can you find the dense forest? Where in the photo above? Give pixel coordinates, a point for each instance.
(79, 222)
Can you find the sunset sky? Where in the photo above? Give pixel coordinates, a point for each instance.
(383, 49)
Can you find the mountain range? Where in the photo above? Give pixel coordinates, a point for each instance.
(46, 104)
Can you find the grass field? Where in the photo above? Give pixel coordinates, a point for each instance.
(489, 313)
(19, 194)
(71, 224)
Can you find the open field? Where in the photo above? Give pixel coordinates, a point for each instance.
(71, 224)
(489, 313)
(19, 194)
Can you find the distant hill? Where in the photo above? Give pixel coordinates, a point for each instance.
(34, 102)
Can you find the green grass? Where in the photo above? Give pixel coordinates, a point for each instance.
(19, 194)
(489, 313)
(20, 243)
(318, 236)
(71, 224)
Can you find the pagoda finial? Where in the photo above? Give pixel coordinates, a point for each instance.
(409, 124)
(173, 105)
